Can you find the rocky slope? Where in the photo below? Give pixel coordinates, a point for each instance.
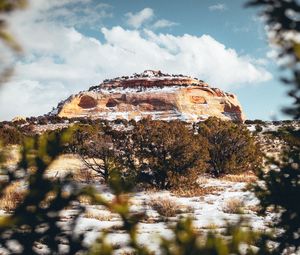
(152, 93)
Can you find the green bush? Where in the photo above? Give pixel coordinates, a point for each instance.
(258, 128)
(256, 121)
(160, 151)
(232, 149)
(288, 134)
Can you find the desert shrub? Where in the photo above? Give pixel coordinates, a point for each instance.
(168, 208)
(54, 119)
(31, 120)
(10, 135)
(258, 128)
(288, 134)
(276, 122)
(287, 122)
(165, 207)
(195, 191)
(11, 197)
(245, 177)
(100, 215)
(161, 151)
(232, 149)
(233, 206)
(256, 121)
(188, 185)
(28, 130)
(42, 120)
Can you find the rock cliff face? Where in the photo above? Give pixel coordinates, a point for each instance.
(152, 93)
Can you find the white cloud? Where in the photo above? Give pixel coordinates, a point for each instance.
(29, 97)
(136, 20)
(60, 60)
(163, 23)
(218, 7)
(75, 13)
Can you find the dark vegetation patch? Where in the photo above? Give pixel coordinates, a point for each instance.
(165, 155)
(289, 134)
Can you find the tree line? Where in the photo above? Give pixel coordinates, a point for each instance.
(163, 154)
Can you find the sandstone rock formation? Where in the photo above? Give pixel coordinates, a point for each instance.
(152, 93)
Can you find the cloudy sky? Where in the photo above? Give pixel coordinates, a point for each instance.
(70, 45)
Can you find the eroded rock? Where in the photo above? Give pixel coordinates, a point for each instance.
(154, 94)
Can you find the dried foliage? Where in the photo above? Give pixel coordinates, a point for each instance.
(195, 191)
(12, 196)
(166, 207)
(249, 177)
(98, 215)
(233, 206)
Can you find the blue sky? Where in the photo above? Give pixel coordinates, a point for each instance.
(70, 45)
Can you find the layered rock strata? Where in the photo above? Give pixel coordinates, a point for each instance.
(152, 94)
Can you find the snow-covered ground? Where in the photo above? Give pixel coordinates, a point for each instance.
(208, 212)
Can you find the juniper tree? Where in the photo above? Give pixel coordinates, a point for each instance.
(165, 150)
(95, 148)
(232, 149)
